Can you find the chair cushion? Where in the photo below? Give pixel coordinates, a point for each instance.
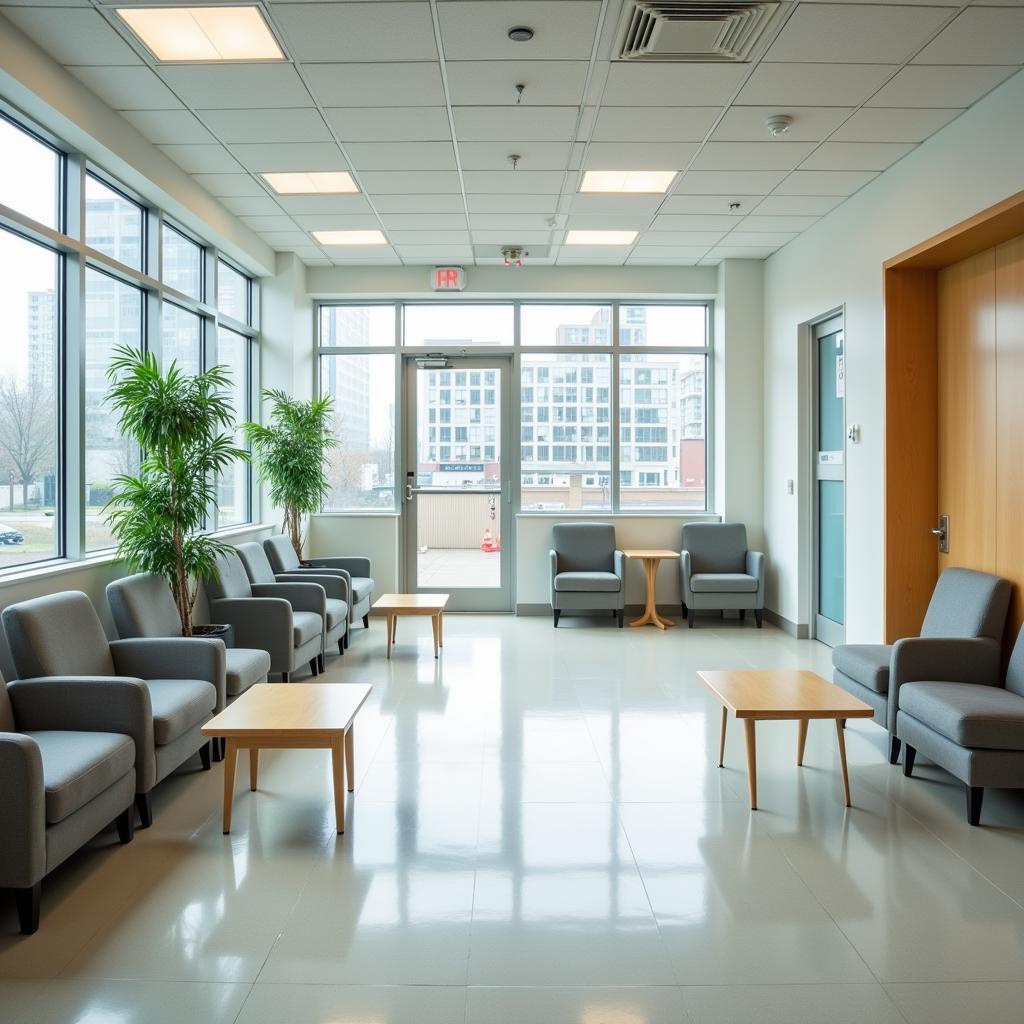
(723, 583)
(245, 666)
(362, 588)
(178, 705)
(588, 582)
(970, 715)
(307, 625)
(337, 612)
(78, 766)
(867, 664)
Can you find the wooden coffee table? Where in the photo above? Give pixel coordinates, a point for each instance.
(782, 695)
(651, 558)
(291, 716)
(394, 605)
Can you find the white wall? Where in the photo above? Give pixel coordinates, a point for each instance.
(375, 536)
(975, 162)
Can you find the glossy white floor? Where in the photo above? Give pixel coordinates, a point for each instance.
(540, 836)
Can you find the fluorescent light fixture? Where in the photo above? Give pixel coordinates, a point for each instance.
(600, 237)
(299, 183)
(627, 181)
(350, 237)
(202, 33)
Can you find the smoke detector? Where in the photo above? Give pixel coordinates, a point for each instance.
(520, 34)
(778, 124)
(513, 255)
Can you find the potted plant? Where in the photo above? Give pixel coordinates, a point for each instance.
(290, 457)
(157, 517)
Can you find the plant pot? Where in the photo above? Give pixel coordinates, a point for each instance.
(214, 631)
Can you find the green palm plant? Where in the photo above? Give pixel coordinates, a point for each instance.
(291, 456)
(179, 422)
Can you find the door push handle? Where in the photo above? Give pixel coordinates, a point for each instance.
(941, 532)
(408, 492)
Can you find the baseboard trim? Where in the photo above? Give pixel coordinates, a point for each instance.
(799, 630)
(632, 610)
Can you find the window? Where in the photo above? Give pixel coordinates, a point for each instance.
(444, 324)
(182, 263)
(361, 470)
(664, 326)
(357, 326)
(232, 292)
(29, 175)
(233, 488)
(566, 325)
(181, 339)
(113, 317)
(114, 224)
(29, 366)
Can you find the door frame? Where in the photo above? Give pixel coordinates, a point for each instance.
(498, 600)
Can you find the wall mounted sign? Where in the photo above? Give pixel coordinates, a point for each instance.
(448, 279)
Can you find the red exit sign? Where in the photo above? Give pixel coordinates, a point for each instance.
(448, 279)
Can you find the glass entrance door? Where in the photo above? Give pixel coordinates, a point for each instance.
(830, 482)
(457, 506)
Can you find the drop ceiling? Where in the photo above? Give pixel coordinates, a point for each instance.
(417, 100)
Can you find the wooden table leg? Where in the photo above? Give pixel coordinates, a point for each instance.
(801, 740)
(394, 628)
(434, 628)
(338, 773)
(650, 616)
(390, 626)
(440, 629)
(842, 758)
(350, 758)
(254, 767)
(748, 726)
(721, 742)
(230, 756)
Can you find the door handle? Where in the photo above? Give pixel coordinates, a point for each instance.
(408, 492)
(941, 532)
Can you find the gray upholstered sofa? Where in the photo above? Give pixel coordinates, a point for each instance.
(954, 707)
(354, 568)
(965, 604)
(587, 570)
(170, 686)
(717, 572)
(284, 619)
(65, 774)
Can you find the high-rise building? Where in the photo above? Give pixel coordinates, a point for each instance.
(42, 339)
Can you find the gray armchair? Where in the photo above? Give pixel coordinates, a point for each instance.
(142, 606)
(356, 569)
(717, 572)
(335, 587)
(62, 779)
(965, 605)
(588, 573)
(166, 690)
(953, 707)
(284, 619)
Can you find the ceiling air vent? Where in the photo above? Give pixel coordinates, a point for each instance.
(692, 30)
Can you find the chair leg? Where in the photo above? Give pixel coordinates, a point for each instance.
(622, 617)
(692, 619)
(27, 901)
(314, 666)
(366, 621)
(686, 611)
(759, 617)
(908, 760)
(205, 756)
(285, 677)
(743, 615)
(217, 748)
(341, 645)
(557, 613)
(974, 798)
(144, 805)
(894, 750)
(321, 664)
(126, 825)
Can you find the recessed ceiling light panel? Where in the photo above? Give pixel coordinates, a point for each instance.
(656, 182)
(202, 33)
(309, 183)
(350, 237)
(578, 237)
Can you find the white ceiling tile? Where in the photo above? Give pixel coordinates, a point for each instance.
(511, 204)
(523, 182)
(134, 88)
(856, 156)
(893, 124)
(921, 86)
(767, 223)
(710, 204)
(418, 203)
(591, 256)
(337, 221)
(382, 261)
(694, 222)
(639, 156)
(858, 33)
(640, 207)
(513, 222)
(825, 183)
(278, 222)
(758, 238)
(653, 124)
(358, 31)
(979, 35)
(533, 156)
(213, 159)
(308, 253)
(390, 124)
(168, 126)
(341, 205)
(738, 252)
(251, 206)
(424, 221)
(517, 236)
(474, 30)
(693, 252)
(635, 84)
(548, 83)
(810, 124)
(73, 36)
(230, 185)
(605, 222)
(474, 124)
(713, 183)
(290, 156)
(434, 253)
(688, 238)
(751, 156)
(435, 237)
(792, 85)
(237, 85)
(665, 261)
(397, 156)
(267, 125)
(276, 238)
(394, 84)
(797, 206)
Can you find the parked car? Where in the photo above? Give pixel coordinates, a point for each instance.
(9, 535)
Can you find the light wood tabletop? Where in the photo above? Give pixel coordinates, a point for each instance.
(394, 605)
(291, 716)
(651, 559)
(784, 694)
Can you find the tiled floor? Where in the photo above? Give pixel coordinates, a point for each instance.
(458, 567)
(539, 835)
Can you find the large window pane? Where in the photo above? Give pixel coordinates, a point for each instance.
(445, 324)
(662, 431)
(29, 175)
(181, 338)
(113, 223)
(357, 326)
(565, 433)
(361, 468)
(565, 325)
(678, 326)
(232, 292)
(233, 505)
(29, 529)
(113, 316)
(182, 263)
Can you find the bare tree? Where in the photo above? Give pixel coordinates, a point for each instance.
(26, 430)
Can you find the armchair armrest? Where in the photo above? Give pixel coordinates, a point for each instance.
(553, 556)
(337, 584)
(181, 657)
(755, 568)
(620, 565)
(355, 565)
(685, 572)
(302, 596)
(261, 622)
(22, 812)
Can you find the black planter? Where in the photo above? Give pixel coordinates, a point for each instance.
(216, 632)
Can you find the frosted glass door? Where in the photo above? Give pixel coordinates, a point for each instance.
(830, 484)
